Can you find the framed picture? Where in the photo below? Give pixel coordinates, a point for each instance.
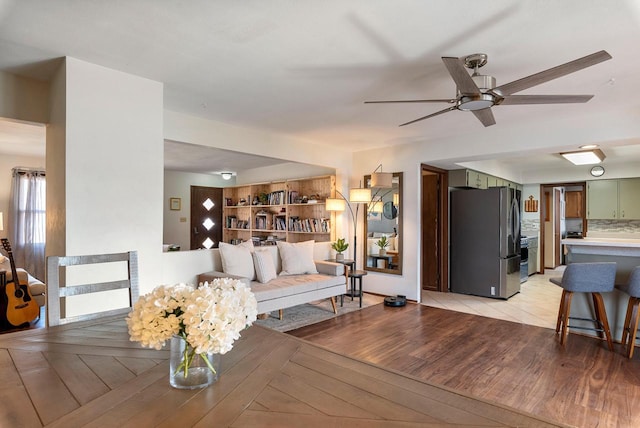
(174, 204)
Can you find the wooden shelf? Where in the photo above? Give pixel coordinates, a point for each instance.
(290, 193)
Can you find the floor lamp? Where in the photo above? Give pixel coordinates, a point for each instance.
(357, 196)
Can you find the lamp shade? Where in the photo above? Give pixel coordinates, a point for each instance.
(334, 204)
(382, 180)
(360, 195)
(396, 199)
(376, 206)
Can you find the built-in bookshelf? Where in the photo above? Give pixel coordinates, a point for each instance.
(289, 210)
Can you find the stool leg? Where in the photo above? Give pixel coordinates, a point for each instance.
(596, 308)
(360, 292)
(565, 316)
(561, 310)
(601, 314)
(627, 322)
(633, 329)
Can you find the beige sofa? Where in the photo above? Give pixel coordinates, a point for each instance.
(285, 291)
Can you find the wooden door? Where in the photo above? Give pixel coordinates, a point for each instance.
(206, 217)
(434, 237)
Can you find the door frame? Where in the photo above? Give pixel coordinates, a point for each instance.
(442, 230)
(543, 209)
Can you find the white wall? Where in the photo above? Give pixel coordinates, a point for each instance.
(112, 170)
(23, 98)
(177, 224)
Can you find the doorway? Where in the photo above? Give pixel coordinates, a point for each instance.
(206, 217)
(563, 209)
(434, 209)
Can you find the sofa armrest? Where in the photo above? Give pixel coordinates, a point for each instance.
(209, 276)
(329, 268)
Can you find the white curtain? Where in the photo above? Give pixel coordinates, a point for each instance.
(27, 221)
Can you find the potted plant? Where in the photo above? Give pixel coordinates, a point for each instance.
(383, 243)
(340, 246)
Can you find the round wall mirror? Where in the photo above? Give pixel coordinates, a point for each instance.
(389, 211)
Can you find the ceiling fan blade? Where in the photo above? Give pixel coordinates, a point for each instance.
(463, 80)
(430, 115)
(450, 101)
(552, 73)
(485, 116)
(544, 99)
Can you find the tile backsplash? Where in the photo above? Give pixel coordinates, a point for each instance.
(596, 226)
(613, 226)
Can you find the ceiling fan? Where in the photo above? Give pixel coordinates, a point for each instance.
(477, 93)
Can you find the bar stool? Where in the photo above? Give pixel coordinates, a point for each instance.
(630, 328)
(594, 278)
(356, 275)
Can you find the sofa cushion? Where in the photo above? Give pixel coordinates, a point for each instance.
(284, 286)
(297, 258)
(237, 259)
(264, 265)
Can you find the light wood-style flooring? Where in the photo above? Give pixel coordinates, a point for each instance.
(523, 366)
(536, 304)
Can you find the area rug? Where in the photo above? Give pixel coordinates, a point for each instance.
(311, 313)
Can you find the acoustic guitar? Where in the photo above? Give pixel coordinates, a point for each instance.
(21, 307)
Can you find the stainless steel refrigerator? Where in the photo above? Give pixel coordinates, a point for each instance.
(485, 242)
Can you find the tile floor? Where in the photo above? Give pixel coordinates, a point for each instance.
(536, 304)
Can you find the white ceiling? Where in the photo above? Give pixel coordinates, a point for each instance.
(303, 68)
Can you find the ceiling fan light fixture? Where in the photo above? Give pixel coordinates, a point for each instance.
(476, 102)
(584, 157)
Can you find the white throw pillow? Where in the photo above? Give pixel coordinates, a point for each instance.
(265, 267)
(297, 258)
(237, 259)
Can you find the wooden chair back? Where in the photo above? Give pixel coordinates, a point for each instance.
(56, 313)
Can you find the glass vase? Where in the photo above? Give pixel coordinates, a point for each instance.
(188, 370)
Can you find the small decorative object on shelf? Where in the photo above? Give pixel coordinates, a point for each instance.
(340, 246)
(201, 322)
(383, 243)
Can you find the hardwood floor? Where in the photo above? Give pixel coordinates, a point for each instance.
(521, 366)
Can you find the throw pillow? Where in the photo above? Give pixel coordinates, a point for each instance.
(237, 259)
(297, 258)
(265, 267)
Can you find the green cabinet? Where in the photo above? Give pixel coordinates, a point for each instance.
(602, 199)
(629, 198)
(478, 180)
(614, 199)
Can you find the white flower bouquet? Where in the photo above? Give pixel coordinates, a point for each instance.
(209, 318)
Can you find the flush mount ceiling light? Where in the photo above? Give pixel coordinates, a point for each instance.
(226, 175)
(584, 157)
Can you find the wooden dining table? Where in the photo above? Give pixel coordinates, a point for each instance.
(91, 375)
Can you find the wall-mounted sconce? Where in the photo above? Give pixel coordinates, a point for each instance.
(226, 175)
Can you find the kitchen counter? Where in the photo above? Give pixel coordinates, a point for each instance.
(625, 253)
(602, 242)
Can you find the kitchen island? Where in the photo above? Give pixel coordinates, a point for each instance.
(626, 253)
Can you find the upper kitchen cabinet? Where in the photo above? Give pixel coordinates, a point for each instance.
(629, 198)
(602, 199)
(467, 178)
(573, 204)
(614, 199)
